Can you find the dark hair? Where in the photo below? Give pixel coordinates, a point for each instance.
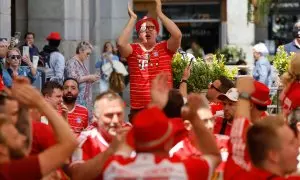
(263, 137)
(54, 43)
(29, 33)
(174, 104)
(260, 107)
(226, 84)
(104, 46)
(50, 86)
(73, 79)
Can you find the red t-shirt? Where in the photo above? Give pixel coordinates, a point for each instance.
(1, 84)
(185, 149)
(26, 169)
(218, 126)
(143, 67)
(91, 143)
(150, 166)
(216, 108)
(290, 99)
(78, 118)
(42, 137)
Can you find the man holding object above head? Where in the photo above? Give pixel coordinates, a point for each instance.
(147, 58)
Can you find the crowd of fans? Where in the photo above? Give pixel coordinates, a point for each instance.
(60, 133)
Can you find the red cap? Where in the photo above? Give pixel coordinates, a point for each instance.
(54, 36)
(152, 129)
(145, 19)
(261, 95)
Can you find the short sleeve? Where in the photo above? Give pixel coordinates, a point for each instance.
(198, 168)
(25, 169)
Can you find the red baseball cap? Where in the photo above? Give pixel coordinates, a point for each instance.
(152, 129)
(145, 19)
(54, 36)
(261, 95)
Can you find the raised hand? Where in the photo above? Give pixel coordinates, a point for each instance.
(245, 84)
(25, 93)
(26, 59)
(130, 12)
(186, 73)
(197, 106)
(64, 110)
(158, 6)
(160, 90)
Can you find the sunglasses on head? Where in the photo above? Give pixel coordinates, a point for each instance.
(15, 57)
(214, 87)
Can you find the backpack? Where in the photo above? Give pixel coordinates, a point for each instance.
(44, 60)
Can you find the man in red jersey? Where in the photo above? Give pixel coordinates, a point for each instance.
(12, 143)
(152, 160)
(216, 88)
(229, 100)
(109, 111)
(272, 145)
(77, 114)
(147, 58)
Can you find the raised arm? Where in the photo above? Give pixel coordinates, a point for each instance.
(175, 40)
(183, 84)
(197, 111)
(123, 41)
(55, 156)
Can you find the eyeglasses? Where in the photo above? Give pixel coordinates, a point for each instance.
(15, 57)
(150, 28)
(211, 86)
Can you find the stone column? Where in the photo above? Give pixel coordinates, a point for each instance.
(239, 31)
(5, 18)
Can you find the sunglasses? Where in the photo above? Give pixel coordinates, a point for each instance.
(15, 57)
(214, 87)
(150, 28)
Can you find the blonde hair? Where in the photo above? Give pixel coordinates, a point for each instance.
(7, 54)
(293, 73)
(83, 45)
(13, 49)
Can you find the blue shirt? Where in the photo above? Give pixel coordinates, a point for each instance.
(291, 47)
(22, 71)
(262, 71)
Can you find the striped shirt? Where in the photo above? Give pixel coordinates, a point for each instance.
(78, 118)
(144, 65)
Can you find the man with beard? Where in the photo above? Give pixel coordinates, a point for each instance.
(229, 100)
(108, 117)
(147, 58)
(77, 114)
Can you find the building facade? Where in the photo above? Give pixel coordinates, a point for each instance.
(213, 23)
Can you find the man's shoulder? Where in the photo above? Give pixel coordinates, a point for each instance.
(80, 107)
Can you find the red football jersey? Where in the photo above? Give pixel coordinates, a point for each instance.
(91, 143)
(144, 65)
(216, 108)
(238, 159)
(290, 99)
(218, 126)
(148, 166)
(43, 137)
(78, 118)
(185, 149)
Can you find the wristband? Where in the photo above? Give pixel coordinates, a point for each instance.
(183, 81)
(244, 95)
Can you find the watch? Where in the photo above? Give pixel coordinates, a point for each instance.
(183, 81)
(244, 95)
